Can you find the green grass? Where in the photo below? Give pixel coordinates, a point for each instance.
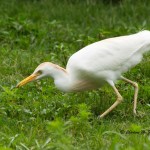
(38, 116)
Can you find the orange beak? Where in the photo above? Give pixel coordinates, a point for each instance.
(26, 80)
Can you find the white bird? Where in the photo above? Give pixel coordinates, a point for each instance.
(96, 64)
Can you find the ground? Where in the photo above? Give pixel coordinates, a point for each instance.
(38, 116)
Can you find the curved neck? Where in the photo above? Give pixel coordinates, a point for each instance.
(61, 79)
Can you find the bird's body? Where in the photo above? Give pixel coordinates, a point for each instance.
(92, 66)
(99, 63)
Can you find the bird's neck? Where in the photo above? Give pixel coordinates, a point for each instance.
(61, 79)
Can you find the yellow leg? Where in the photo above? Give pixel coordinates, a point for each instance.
(135, 93)
(119, 100)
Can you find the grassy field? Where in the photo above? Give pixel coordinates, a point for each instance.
(38, 116)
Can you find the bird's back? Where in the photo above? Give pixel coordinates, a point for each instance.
(106, 57)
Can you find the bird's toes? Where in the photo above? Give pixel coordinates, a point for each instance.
(100, 117)
(134, 112)
(140, 114)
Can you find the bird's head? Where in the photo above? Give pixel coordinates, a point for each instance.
(43, 70)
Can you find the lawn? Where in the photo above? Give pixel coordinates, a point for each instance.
(40, 117)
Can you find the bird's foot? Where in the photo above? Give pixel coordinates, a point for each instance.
(100, 117)
(139, 114)
(134, 112)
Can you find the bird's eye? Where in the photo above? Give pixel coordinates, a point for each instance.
(39, 72)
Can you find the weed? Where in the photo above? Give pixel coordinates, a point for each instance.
(38, 116)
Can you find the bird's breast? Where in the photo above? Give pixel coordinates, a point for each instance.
(83, 85)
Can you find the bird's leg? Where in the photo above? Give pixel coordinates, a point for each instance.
(135, 93)
(119, 100)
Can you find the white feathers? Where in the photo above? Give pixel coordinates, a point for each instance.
(108, 59)
(98, 63)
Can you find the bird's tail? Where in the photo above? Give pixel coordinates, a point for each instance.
(143, 48)
(146, 48)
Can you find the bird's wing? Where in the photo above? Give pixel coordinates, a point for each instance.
(120, 53)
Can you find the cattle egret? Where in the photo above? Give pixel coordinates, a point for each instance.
(96, 64)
